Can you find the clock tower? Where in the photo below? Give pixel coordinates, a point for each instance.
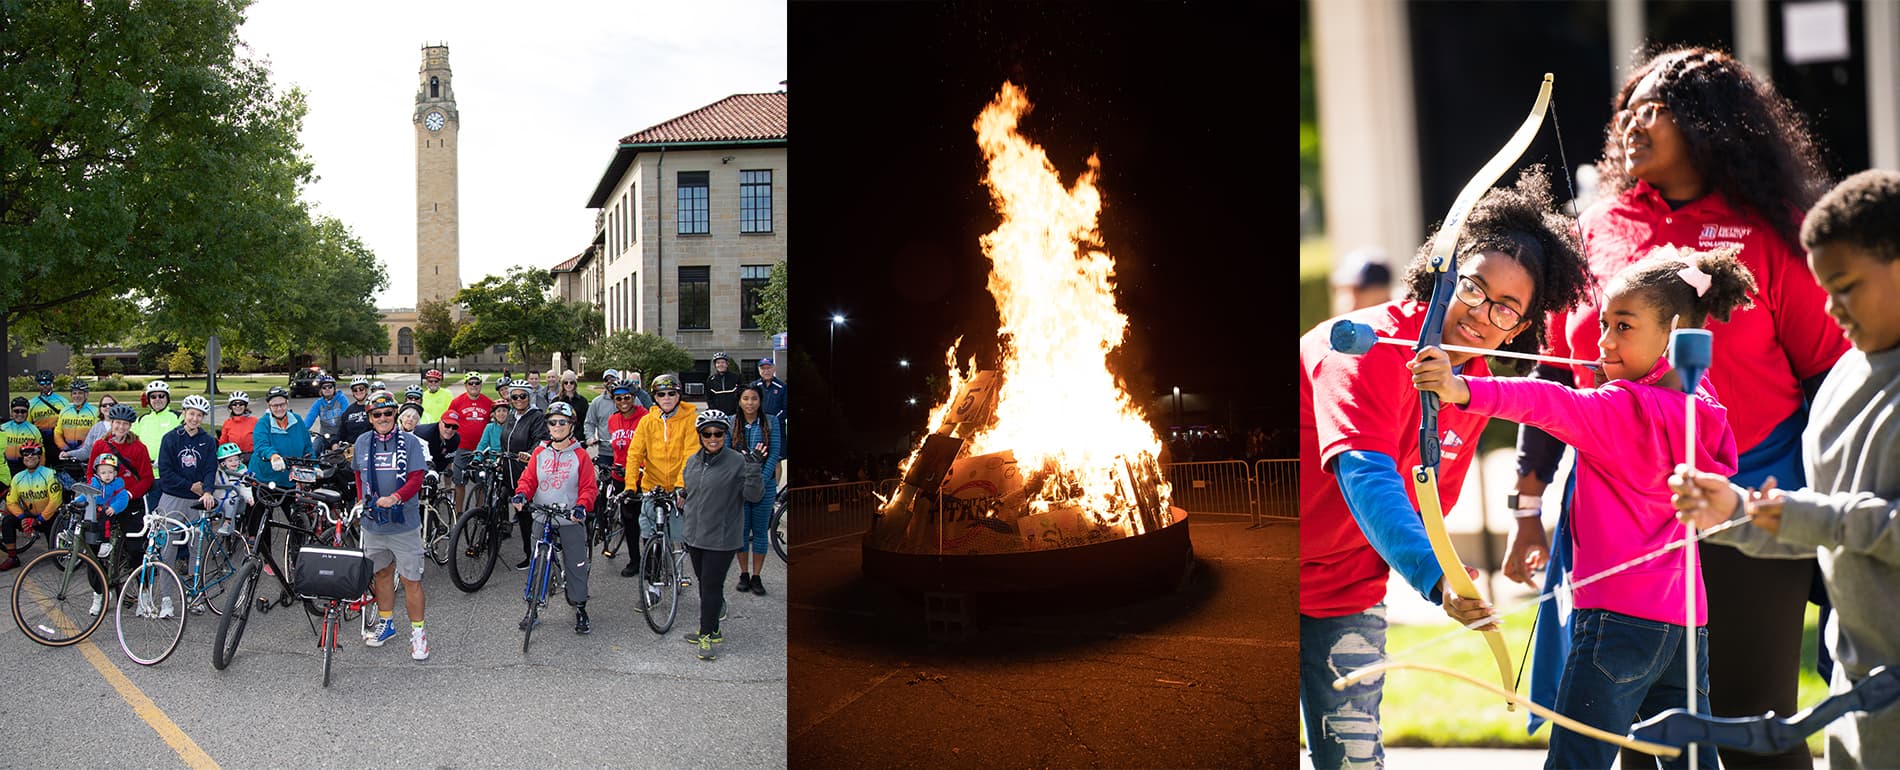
(438, 126)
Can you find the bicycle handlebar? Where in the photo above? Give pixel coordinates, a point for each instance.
(572, 513)
(170, 524)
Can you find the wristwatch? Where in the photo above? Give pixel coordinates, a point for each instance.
(1525, 506)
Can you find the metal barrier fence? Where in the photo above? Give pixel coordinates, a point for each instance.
(1277, 490)
(1270, 491)
(1218, 486)
(828, 511)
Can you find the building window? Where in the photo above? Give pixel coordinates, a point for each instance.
(694, 218)
(501, 349)
(752, 280)
(405, 342)
(435, 88)
(755, 201)
(695, 298)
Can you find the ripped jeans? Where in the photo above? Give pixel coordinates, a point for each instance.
(1342, 727)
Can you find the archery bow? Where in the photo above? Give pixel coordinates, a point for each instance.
(1769, 734)
(1444, 262)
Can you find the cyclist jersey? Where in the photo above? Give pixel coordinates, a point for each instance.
(43, 411)
(74, 423)
(434, 403)
(151, 430)
(35, 491)
(17, 434)
(326, 415)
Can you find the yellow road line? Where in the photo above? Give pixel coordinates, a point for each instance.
(187, 748)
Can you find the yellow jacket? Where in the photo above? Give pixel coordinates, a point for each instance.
(662, 446)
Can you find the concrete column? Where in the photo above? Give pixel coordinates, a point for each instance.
(1883, 82)
(1363, 79)
(1752, 45)
(1626, 38)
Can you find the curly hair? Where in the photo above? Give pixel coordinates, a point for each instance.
(1521, 222)
(1658, 278)
(1864, 210)
(1744, 139)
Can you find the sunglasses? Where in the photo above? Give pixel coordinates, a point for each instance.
(380, 414)
(667, 394)
(712, 434)
(359, 387)
(518, 397)
(158, 395)
(19, 409)
(326, 386)
(560, 422)
(623, 398)
(431, 380)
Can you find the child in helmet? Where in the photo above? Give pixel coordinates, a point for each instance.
(111, 501)
(233, 497)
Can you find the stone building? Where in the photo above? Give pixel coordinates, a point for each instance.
(693, 217)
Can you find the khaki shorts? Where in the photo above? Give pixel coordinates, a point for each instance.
(402, 548)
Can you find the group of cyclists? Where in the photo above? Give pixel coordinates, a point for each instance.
(552, 440)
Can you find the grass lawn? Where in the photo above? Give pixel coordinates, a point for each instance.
(186, 386)
(1422, 709)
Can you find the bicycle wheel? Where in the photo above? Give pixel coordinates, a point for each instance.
(53, 594)
(540, 570)
(237, 613)
(332, 625)
(658, 567)
(216, 570)
(435, 532)
(472, 551)
(147, 632)
(778, 529)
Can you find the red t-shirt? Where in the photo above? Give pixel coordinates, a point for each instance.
(1762, 353)
(620, 431)
(474, 412)
(1364, 403)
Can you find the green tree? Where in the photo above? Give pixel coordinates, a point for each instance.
(110, 367)
(329, 307)
(144, 167)
(576, 325)
(514, 309)
(179, 363)
(630, 350)
(80, 364)
(773, 305)
(435, 331)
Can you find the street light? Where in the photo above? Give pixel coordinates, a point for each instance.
(1177, 404)
(831, 364)
(903, 363)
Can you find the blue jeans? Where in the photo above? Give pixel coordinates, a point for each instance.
(1342, 726)
(1622, 670)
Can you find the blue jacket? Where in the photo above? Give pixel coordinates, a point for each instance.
(267, 439)
(774, 402)
(184, 460)
(326, 415)
(112, 498)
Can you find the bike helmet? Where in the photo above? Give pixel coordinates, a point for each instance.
(325, 379)
(712, 416)
(30, 448)
(106, 460)
(276, 392)
(359, 380)
(413, 391)
(665, 382)
(238, 396)
(199, 403)
(228, 450)
(44, 377)
(473, 377)
(721, 356)
(521, 385)
(619, 389)
(158, 386)
(122, 412)
(377, 385)
(381, 399)
(20, 402)
(432, 374)
(81, 386)
(561, 408)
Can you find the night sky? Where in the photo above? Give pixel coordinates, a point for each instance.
(888, 203)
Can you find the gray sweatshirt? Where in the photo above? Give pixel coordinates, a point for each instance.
(1846, 519)
(595, 427)
(717, 488)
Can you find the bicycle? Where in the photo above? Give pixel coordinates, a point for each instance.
(607, 534)
(778, 528)
(545, 572)
(49, 583)
(157, 593)
(259, 562)
(438, 517)
(340, 579)
(662, 563)
(474, 542)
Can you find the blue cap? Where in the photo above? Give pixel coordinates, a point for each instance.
(766, 362)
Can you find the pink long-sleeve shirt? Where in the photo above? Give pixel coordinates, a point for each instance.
(1629, 437)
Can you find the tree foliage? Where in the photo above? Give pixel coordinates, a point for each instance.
(512, 308)
(144, 168)
(774, 307)
(575, 326)
(630, 350)
(435, 331)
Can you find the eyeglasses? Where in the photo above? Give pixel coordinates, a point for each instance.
(359, 387)
(623, 398)
(326, 386)
(560, 422)
(1643, 115)
(712, 434)
(382, 413)
(1504, 317)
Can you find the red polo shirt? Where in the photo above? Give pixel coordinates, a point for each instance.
(1763, 352)
(1367, 403)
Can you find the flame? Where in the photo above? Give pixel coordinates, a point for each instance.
(1059, 409)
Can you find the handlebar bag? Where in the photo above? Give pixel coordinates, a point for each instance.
(332, 573)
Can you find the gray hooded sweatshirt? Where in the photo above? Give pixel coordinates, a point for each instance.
(717, 488)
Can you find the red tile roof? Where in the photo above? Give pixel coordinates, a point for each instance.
(569, 264)
(739, 117)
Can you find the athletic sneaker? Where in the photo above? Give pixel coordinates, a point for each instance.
(165, 609)
(98, 603)
(653, 595)
(706, 650)
(715, 637)
(418, 644)
(745, 583)
(758, 585)
(382, 633)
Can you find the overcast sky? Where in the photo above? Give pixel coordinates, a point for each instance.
(544, 90)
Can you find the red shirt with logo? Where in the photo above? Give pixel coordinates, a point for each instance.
(1763, 352)
(473, 409)
(1365, 403)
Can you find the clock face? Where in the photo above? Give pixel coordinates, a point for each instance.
(433, 121)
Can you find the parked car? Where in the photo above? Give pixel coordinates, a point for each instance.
(303, 382)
